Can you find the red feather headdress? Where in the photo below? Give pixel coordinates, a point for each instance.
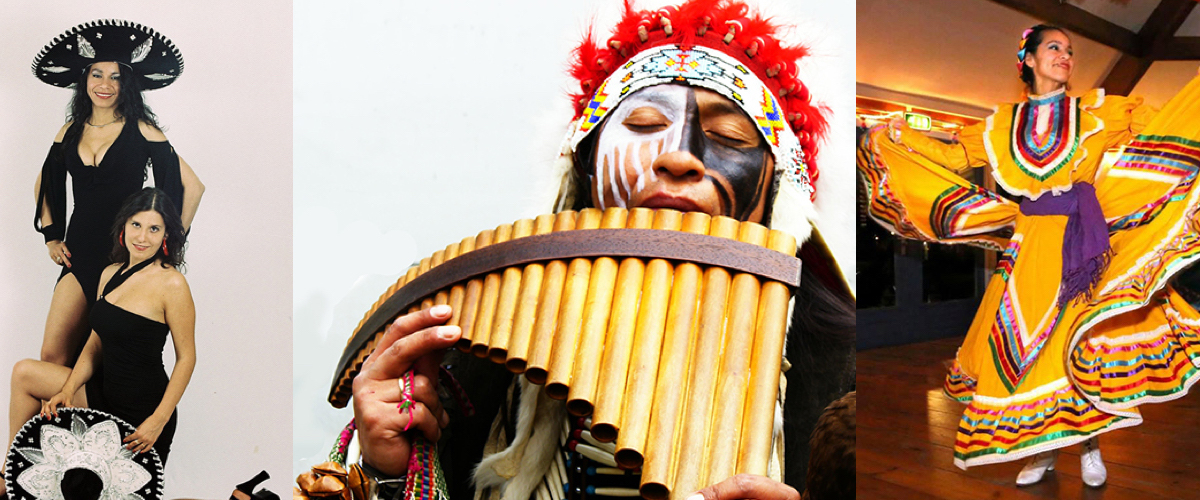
(728, 26)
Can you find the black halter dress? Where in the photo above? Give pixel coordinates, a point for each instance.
(134, 379)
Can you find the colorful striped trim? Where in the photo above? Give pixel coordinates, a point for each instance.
(954, 205)
(1152, 366)
(1012, 353)
(885, 207)
(1041, 156)
(959, 386)
(889, 211)
(1160, 157)
(1004, 265)
(989, 434)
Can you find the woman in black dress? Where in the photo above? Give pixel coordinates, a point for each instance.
(144, 297)
(110, 145)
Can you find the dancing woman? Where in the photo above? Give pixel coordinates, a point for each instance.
(110, 144)
(1079, 325)
(144, 298)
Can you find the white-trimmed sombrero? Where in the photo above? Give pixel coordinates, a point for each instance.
(79, 438)
(153, 57)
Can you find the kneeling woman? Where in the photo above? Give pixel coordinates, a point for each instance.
(142, 297)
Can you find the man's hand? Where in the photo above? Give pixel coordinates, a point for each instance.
(413, 342)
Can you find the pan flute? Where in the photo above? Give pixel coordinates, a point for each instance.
(666, 328)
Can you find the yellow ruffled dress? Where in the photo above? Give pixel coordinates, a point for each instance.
(1037, 376)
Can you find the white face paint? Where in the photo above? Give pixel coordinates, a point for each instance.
(644, 126)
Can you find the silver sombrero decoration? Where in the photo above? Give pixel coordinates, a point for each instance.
(80, 438)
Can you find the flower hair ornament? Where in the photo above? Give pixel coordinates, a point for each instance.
(723, 46)
(49, 453)
(153, 58)
(1021, 50)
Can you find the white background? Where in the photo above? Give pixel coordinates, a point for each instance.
(229, 116)
(420, 123)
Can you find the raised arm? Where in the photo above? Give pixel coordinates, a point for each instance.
(968, 152)
(180, 312)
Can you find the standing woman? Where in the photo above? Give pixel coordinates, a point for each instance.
(111, 144)
(1079, 325)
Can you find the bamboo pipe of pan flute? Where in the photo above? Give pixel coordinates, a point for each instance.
(733, 377)
(526, 305)
(488, 299)
(691, 457)
(570, 318)
(618, 341)
(673, 368)
(759, 423)
(506, 304)
(434, 261)
(412, 274)
(546, 321)
(443, 296)
(470, 301)
(596, 308)
(646, 350)
(458, 292)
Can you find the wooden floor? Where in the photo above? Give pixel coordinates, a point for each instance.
(906, 433)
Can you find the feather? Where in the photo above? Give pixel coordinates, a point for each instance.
(140, 53)
(85, 48)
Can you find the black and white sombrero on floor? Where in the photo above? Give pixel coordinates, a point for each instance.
(153, 57)
(80, 447)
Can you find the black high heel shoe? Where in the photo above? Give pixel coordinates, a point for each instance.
(245, 491)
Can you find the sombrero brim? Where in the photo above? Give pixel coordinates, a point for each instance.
(154, 59)
(79, 438)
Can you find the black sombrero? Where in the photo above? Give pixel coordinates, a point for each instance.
(50, 453)
(152, 56)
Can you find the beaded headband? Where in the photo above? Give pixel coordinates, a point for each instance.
(744, 61)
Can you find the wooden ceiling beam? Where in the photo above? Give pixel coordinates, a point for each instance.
(1181, 48)
(1079, 21)
(1155, 37)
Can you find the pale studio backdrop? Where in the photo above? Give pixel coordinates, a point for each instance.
(419, 123)
(229, 116)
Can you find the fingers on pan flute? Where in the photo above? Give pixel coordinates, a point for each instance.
(623, 340)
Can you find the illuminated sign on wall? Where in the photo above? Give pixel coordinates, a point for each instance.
(918, 121)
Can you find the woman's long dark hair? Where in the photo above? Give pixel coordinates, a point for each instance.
(1036, 34)
(130, 104)
(150, 199)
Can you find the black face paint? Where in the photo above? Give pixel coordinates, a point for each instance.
(743, 169)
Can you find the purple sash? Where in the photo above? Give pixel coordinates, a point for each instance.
(1085, 240)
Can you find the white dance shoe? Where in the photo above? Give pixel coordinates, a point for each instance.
(1036, 469)
(1091, 466)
